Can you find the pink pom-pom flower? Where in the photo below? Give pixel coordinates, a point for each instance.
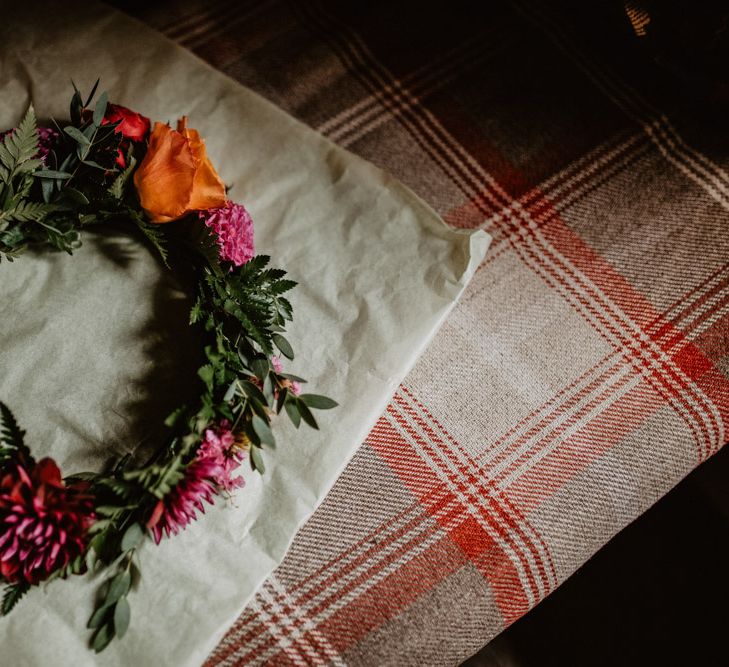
(233, 229)
(219, 445)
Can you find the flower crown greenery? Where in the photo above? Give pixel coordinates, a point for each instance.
(108, 164)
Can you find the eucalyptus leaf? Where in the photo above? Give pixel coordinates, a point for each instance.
(260, 367)
(306, 414)
(133, 537)
(50, 173)
(263, 431)
(283, 345)
(77, 135)
(102, 638)
(230, 391)
(122, 615)
(318, 402)
(252, 391)
(118, 587)
(99, 616)
(257, 460)
(100, 109)
(292, 410)
(95, 165)
(76, 196)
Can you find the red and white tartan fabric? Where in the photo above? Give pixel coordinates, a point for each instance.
(585, 371)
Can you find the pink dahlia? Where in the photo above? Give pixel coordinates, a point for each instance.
(219, 445)
(233, 228)
(180, 505)
(43, 523)
(46, 138)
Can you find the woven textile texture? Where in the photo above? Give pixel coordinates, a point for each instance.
(586, 369)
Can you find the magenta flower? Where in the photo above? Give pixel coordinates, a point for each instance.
(210, 472)
(43, 523)
(233, 228)
(46, 138)
(219, 445)
(180, 506)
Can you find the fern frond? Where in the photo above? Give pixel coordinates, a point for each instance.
(12, 596)
(27, 211)
(20, 145)
(12, 438)
(117, 187)
(156, 238)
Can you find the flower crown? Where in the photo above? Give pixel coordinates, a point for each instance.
(109, 165)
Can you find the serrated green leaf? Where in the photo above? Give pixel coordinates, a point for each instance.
(156, 236)
(12, 595)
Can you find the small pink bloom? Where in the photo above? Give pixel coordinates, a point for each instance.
(233, 228)
(293, 385)
(219, 445)
(43, 523)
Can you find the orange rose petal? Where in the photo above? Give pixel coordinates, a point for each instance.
(208, 191)
(176, 177)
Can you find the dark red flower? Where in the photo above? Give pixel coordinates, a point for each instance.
(132, 125)
(43, 523)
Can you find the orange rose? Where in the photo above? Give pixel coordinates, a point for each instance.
(176, 176)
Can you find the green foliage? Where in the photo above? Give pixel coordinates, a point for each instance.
(18, 150)
(47, 202)
(156, 237)
(241, 311)
(158, 479)
(12, 595)
(12, 438)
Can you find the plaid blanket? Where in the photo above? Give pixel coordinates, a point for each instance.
(586, 369)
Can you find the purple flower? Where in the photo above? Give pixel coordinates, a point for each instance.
(233, 228)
